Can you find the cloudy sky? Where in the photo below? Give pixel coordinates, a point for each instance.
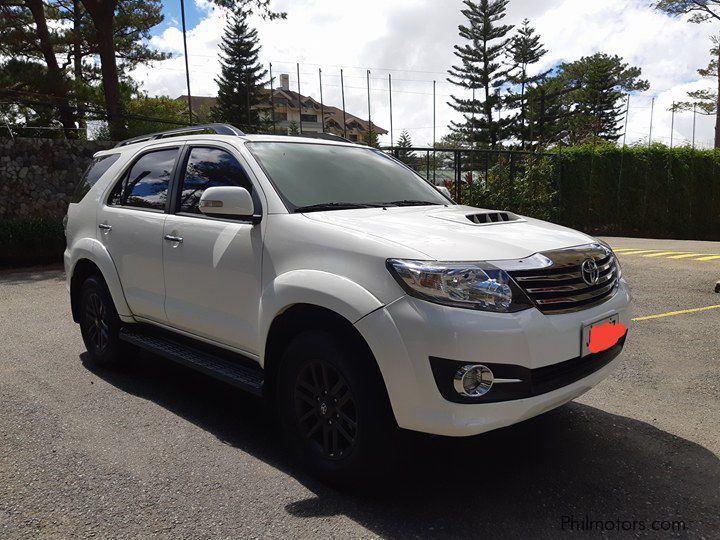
(413, 40)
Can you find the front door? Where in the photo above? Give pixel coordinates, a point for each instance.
(130, 225)
(212, 265)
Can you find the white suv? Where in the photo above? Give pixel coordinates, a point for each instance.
(334, 280)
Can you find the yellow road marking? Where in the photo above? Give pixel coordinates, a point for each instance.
(710, 258)
(624, 249)
(672, 313)
(687, 255)
(664, 253)
(638, 252)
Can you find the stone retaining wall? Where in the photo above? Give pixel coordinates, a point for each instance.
(38, 176)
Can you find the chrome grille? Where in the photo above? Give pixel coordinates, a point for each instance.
(560, 287)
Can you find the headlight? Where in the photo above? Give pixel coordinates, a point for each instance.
(467, 285)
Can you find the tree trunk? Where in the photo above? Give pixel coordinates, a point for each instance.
(103, 16)
(717, 106)
(59, 84)
(522, 111)
(77, 70)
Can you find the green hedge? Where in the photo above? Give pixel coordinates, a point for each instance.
(636, 191)
(31, 241)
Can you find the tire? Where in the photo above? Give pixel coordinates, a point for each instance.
(99, 323)
(333, 408)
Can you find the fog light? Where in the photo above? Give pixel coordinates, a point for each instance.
(473, 380)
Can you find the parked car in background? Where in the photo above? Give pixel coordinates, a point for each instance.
(333, 280)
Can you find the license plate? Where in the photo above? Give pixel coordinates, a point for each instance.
(587, 333)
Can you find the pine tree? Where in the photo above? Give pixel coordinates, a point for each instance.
(241, 75)
(547, 112)
(481, 69)
(370, 137)
(403, 143)
(701, 11)
(707, 100)
(524, 50)
(599, 84)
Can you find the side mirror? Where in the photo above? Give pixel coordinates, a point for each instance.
(445, 191)
(227, 201)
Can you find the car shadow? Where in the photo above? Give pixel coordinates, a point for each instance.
(574, 463)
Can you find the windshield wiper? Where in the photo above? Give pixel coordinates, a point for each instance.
(412, 202)
(334, 206)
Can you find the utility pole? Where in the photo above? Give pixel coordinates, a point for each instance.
(433, 116)
(342, 91)
(672, 124)
(370, 129)
(627, 113)
(247, 98)
(272, 99)
(299, 99)
(392, 140)
(652, 112)
(694, 120)
(472, 124)
(322, 107)
(187, 69)
(434, 160)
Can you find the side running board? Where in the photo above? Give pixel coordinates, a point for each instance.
(235, 373)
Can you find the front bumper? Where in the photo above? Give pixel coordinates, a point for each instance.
(405, 334)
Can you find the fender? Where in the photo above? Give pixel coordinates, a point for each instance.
(95, 251)
(323, 289)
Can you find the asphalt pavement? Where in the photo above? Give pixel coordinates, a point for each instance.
(157, 450)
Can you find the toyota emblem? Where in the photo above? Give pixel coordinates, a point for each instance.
(590, 272)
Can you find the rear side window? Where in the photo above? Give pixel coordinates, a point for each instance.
(209, 167)
(146, 184)
(95, 170)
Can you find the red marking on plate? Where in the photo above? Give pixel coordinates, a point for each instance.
(605, 336)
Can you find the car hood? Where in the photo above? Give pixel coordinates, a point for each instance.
(446, 233)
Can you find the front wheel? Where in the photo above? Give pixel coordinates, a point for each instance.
(334, 408)
(99, 323)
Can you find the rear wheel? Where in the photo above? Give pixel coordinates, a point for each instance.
(99, 323)
(334, 408)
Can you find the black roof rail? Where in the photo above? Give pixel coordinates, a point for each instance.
(326, 136)
(218, 129)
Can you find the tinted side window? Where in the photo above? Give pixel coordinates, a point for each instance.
(209, 167)
(95, 170)
(146, 184)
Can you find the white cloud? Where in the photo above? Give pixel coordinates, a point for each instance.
(418, 36)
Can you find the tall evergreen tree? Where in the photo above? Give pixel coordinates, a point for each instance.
(599, 84)
(701, 11)
(708, 100)
(403, 143)
(481, 69)
(47, 32)
(547, 113)
(524, 50)
(241, 74)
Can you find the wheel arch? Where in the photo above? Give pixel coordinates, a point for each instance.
(91, 258)
(302, 317)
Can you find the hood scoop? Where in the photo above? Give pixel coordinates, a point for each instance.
(484, 218)
(477, 217)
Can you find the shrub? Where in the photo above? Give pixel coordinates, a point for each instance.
(31, 241)
(633, 191)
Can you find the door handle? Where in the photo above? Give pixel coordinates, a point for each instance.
(172, 238)
(104, 226)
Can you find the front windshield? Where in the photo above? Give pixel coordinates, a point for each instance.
(313, 176)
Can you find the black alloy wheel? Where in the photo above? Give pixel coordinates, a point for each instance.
(95, 323)
(99, 323)
(325, 409)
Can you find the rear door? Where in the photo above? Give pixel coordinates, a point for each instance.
(130, 224)
(212, 265)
